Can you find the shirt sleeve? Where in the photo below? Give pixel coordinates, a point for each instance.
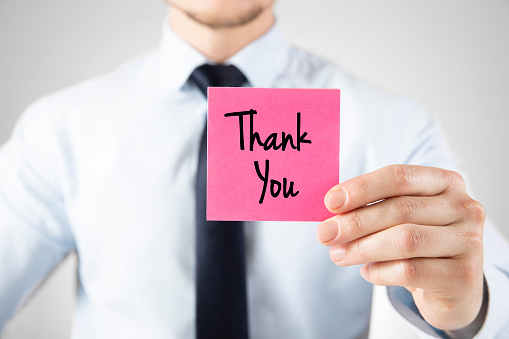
(34, 231)
(428, 147)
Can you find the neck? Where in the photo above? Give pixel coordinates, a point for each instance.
(219, 44)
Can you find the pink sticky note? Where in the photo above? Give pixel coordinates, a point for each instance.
(261, 182)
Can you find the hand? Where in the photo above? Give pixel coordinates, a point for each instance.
(415, 227)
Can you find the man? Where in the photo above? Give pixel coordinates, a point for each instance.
(108, 168)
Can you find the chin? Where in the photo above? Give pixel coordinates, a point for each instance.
(223, 13)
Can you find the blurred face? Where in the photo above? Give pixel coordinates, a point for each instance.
(222, 13)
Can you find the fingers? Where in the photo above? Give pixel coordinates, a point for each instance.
(387, 182)
(432, 211)
(414, 227)
(424, 273)
(408, 241)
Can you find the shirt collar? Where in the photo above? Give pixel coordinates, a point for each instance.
(262, 61)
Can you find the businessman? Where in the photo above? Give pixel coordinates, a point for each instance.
(109, 168)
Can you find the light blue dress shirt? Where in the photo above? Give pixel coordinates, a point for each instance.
(107, 168)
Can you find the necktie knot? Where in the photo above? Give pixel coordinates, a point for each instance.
(217, 76)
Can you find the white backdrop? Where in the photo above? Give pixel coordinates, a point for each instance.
(450, 55)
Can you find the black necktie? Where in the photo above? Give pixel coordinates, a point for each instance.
(221, 306)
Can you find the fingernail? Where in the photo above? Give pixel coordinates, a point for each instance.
(337, 253)
(336, 199)
(327, 231)
(365, 270)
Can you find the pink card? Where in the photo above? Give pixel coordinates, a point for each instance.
(273, 153)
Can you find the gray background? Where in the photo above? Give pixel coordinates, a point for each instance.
(452, 56)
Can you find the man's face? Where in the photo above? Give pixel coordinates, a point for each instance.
(222, 13)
